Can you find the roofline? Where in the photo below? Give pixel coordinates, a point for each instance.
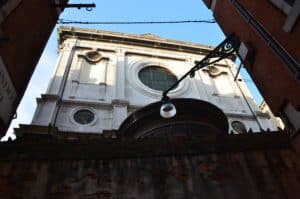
(65, 32)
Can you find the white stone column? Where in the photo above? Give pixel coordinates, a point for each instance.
(103, 79)
(48, 103)
(120, 74)
(119, 112)
(75, 78)
(61, 77)
(61, 66)
(197, 81)
(46, 106)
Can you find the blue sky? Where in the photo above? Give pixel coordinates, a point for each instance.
(129, 10)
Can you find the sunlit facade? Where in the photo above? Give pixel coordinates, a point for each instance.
(102, 77)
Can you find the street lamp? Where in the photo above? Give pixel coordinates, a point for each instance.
(225, 49)
(167, 109)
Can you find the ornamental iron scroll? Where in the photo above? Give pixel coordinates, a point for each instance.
(225, 49)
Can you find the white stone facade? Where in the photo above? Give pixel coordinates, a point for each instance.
(98, 71)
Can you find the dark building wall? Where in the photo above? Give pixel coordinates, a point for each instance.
(72, 165)
(273, 78)
(256, 174)
(24, 33)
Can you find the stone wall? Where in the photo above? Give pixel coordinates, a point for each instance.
(234, 175)
(179, 168)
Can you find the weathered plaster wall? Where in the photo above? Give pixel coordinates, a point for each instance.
(255, 174)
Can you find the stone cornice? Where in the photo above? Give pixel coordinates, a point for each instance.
(144, 40)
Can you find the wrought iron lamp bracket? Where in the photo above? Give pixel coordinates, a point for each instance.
(88, 7)
(225, 49)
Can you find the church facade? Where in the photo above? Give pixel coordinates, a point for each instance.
(102, 77)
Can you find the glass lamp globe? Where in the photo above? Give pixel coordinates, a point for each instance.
(168, 110)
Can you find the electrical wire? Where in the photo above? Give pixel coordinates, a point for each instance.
(66, 21)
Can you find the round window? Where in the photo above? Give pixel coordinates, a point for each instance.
(84, 116)
(239, 127)
(157, 78)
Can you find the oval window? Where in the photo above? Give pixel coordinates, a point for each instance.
(157, 78)
(84, 116)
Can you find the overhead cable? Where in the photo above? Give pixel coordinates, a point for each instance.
(66, 21)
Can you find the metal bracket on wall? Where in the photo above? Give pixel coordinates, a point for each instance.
(87, 6)
(225, 49)
(238, 71)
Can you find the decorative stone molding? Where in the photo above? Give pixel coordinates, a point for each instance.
(93, 57)
(119, 102)
(243, 116)
(50, 97)
(214, 71)
(262, 114)
(155, 55)
(121, 51)
(132, 77)
(95, 61)
(95, 104)
(65, 32)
